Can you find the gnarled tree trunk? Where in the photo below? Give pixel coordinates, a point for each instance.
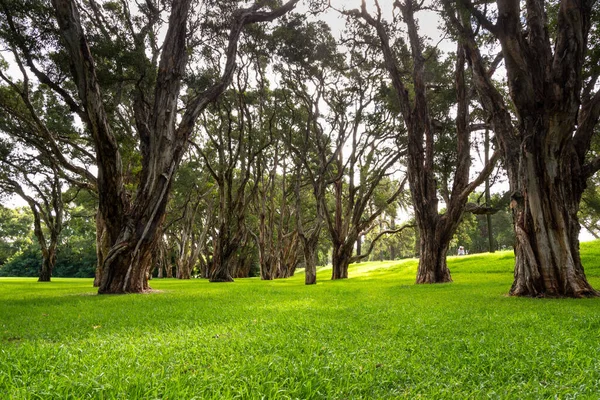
(545, 151)
(435, 230)
(433, 248)
(546, 225)
(221, 269)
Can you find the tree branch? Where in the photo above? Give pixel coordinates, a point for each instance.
(379, 236)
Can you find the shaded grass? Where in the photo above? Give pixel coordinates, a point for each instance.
(376, 335)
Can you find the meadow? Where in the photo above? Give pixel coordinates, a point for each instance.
(376, 335)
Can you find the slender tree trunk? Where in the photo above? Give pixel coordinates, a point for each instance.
(488, 217)
(288, 257)
(102, 247)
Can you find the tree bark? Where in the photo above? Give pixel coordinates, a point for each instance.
(341, 258)
(102, 247)
(433, 248)
(310, 263)
(48, 263)
(220, 269)
(488, 217)
(547, 261)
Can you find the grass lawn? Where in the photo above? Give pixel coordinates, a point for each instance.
(375, 335)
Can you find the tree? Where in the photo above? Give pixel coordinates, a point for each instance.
(46, 205)
(310, 63)
(190, 214)
(133, 223)
(435, 229)
(551, 72)
(234, 140)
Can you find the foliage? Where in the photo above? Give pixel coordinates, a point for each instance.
(76, 255)
(76, 260)
(15, 231)
(281, 339)
(473, 230)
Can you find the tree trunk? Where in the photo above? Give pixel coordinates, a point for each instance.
(102, 247)
(310, 270)
(433, 248)
(309, 248)
(48, 262)
(133, 230)
(126, 267)
(183, 270)
(545, 151)
(488, 217)
(341, 257)
(547, 262)
(220, 269)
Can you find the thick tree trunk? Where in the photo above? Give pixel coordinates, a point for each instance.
(341, 257)
(433, 248)
(547, 260)
(183, 270)
(128, 264)
(220, 269)
(310, 269)
(163, 133)
(310, 259)
(545, 152)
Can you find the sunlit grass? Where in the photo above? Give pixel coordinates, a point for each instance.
(375, 335)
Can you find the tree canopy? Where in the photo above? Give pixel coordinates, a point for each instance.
(226, 139)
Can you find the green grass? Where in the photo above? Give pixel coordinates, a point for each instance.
(375, 335)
